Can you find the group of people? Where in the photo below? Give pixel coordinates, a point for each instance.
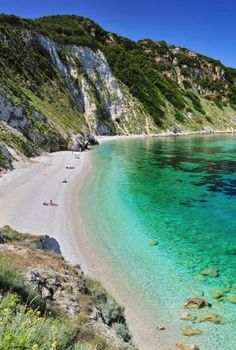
(50, 204)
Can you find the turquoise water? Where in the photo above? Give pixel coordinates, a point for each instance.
(180, 192)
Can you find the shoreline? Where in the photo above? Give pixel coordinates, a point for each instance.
(144, 332)
(103, 139)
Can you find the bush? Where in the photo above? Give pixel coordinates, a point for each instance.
(22, 328)
(179, 116)
(10, 279)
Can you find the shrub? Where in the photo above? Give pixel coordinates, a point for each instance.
(195, 101)
(179, 116)
(22, 328)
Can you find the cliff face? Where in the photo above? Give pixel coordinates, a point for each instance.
(64, 76)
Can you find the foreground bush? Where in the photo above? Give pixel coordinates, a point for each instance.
(23, 328)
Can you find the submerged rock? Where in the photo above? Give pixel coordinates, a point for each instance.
(196, 303)
(200, 278)
(210, 273)
(153, 242)
(218, 293)
(214, 318)
(189, 332)
(186, 316)
(183, 346)
(232, 299)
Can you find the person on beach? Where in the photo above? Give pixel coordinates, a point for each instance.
(51, 204)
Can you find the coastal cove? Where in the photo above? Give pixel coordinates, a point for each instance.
(142, 257)
(117, 176)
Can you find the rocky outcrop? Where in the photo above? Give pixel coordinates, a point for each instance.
(12, 115)
(6, 157)
(206, 75)
(81, 143)
(58, 288)
(31, 124)
(64, 287)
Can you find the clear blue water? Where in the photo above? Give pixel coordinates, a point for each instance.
(182, 193)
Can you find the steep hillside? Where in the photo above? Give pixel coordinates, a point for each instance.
(64, 78)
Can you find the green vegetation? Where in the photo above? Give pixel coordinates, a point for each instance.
(23, 328)
(195, 101)
(15, 140)
(134, 68)
(71, 29)
(165, 81)
(3, 162)
(109, 307)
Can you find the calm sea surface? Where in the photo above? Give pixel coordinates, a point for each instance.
(162, 210)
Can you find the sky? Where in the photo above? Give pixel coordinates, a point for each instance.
(205, 26)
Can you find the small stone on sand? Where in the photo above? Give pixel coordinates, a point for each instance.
(161, 328)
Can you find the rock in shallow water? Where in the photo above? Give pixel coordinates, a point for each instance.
(210, 273)
(196, 303)
(153, 242)
(186, 316)
(214, 318)
(232, 299)
(218, 293)
(183, 346)
(189, 332)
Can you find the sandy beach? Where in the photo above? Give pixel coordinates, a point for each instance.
(24, 190)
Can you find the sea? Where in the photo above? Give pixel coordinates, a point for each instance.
(162, 210)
